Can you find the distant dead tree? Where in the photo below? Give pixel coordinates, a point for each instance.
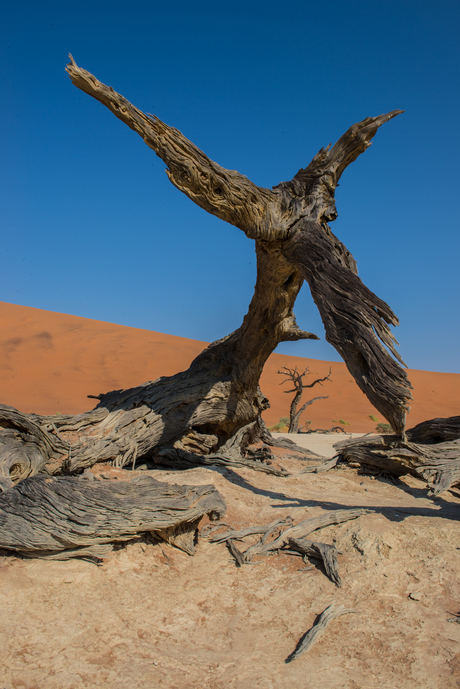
(296, 377)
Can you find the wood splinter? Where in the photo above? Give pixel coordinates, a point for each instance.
(319, 627)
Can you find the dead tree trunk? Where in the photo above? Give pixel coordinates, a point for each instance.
(199, 412)
(299, 386)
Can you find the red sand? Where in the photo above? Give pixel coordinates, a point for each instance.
(52, 361)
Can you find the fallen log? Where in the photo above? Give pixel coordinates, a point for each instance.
(72, 516)
(431, 453)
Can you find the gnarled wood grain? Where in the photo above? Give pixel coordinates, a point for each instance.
(434, 456)
(43, 516)
(290, 221)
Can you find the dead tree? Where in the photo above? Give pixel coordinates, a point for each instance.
(211, 411)
(299, 386)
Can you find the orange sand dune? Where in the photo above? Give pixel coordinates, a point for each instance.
(50, 362)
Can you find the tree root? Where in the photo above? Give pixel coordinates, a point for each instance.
(290, 538)
(431, 453)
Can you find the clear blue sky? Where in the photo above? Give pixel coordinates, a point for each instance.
(91, 225)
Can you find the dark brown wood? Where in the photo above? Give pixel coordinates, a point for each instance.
(422, 455)
(297, 379)
(45, 516)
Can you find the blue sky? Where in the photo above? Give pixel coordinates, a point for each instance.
(91, 226)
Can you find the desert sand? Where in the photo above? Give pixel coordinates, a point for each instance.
(151, 616)
(52, 361)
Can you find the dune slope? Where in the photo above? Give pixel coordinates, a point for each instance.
(52, 361)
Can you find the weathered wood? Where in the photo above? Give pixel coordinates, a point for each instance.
(197, 415)
(435, 431)
(355, 319)
(291, 222)
(289, 539)
(437, 463)
(319, 468)
(250, 531)
(322, 551)
(319, 627)
(237, 554)
(182, 535)
(181, 459)
(284, 443)
(43, 516)
(302, 530)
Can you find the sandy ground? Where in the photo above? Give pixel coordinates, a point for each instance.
(151, 616)
(52, 361)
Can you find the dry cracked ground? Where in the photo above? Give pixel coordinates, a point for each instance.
(151, 616)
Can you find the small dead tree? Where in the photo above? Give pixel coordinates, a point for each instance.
(296, 377)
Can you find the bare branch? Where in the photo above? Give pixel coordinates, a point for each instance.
(319, 627)
(225, 193)
(354, 318)
(297, 377)
(307, 404)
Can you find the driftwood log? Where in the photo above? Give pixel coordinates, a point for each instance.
(74, 516)
(198, 415)
(431, 453)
